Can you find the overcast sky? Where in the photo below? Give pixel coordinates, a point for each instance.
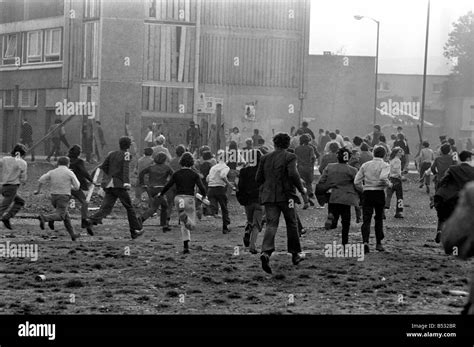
(402, 31)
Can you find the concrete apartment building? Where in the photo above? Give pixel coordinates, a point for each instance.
(143, 62)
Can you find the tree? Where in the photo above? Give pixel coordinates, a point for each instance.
(460, 46)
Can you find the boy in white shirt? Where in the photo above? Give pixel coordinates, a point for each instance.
(217, 192)
(13, 174)
(61, 180)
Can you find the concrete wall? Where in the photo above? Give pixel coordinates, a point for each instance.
(122, 36)
(272, 111)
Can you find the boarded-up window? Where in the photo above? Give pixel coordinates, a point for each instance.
(92, 9)
(258, 14)
(172, 10)
(169, 53)
(91, 50)
(266, 62)
(170, 100)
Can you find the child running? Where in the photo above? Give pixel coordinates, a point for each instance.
(158, 175)
(61, 180)
(395, 177)
(185, 180)
(248, 196)
(77, 166)
(14, 174)
(116, 183)
(425, 161)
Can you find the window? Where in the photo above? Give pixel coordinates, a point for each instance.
(28, 98)
(34, 47)
(52, 45)
(437, 87)
(8, 100)
(37, 52)
(91, 50)
(92, 9)
(10, 47)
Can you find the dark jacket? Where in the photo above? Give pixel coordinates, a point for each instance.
(248, 191)
(340, 179)
(322, 143)
(403, 145)
(306, 156)
(354, 162)
(365, 157)
(441, 164)
(307, 131)
(327, 159)
(459, 232)
(454, 181)
(158, 175)
(26, 133)
(116, 167)
(376, 138)
(278, 177)
(77, 166)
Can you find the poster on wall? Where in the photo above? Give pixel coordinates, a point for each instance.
(201, 103)
(250, 111)
(207, 104)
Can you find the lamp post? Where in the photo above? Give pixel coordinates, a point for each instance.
(357, 17)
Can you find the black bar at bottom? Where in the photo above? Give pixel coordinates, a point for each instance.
(368, 329)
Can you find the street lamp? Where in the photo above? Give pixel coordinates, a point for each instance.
(357, 17)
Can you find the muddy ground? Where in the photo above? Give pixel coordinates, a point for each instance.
(109, 273)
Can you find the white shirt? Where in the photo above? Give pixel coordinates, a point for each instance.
(340, 140)
(14, 170)
(236, 137)
(62, 180)
(217, 174)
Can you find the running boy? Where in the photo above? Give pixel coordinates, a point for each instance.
(61, 180)
(14, 174)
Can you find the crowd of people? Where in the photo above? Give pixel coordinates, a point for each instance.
(362, 172)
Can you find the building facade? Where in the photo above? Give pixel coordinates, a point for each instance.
(152, 62)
